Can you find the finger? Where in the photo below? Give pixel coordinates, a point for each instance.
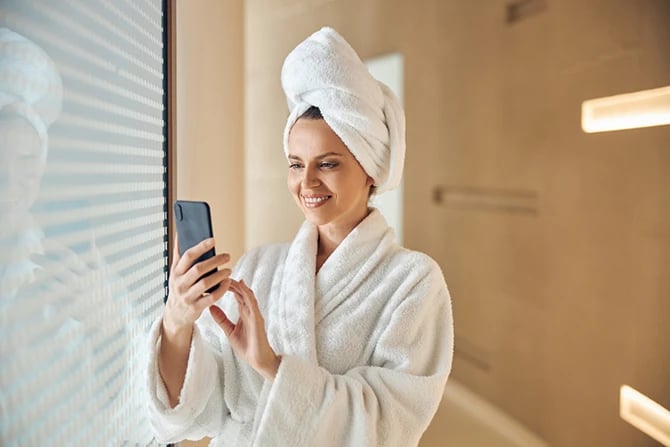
(249, 296)
(196, 309)
(74, 263)
(201, 268)
(189, 282)
(197, 290)
(59, 289)
(240, 301)
(192, 254)
(64, 274)
(63, 256)
(212, 298)
(235, 286)
(242, 308)
(247, 299)
(222, 320)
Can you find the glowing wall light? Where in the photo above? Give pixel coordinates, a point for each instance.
(645, 108)
(645, 414)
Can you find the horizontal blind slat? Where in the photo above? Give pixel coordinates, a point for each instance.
(83, 270)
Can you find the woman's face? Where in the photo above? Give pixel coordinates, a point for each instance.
(328, 184)
(21, 167)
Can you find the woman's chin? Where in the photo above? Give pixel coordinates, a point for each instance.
(316, 217)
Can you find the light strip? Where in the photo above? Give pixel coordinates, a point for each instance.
(645, 414)
(645, 108)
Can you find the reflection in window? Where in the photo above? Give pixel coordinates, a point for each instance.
(82, 217)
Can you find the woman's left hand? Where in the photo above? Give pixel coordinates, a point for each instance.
(248, 337)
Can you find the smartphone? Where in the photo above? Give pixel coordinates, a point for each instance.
(194, 224)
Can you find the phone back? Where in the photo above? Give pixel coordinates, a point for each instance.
(194, 224)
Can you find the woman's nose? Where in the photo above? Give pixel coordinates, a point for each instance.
(310, 178)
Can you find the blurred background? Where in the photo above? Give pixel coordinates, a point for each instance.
(554, 241)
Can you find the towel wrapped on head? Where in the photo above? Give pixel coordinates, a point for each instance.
(325, 71)
(30, 85)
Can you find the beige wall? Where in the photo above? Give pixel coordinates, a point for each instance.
(554, 243)
(558, 302)
(209, 113)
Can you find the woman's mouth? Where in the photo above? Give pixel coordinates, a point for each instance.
(314, 201)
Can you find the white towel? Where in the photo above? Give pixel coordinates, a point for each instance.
(29, 82)
(324, 71)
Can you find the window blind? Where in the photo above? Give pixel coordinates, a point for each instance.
(83, 217)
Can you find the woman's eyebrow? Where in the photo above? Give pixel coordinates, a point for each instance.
(318, 157)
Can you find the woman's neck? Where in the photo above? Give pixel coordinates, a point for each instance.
(330, 237)
(327, 245)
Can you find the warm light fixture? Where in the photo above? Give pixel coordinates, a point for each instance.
(645, 108)
(645, 414)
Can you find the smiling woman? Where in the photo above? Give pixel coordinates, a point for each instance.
(82, 220)
(339, 338)
(326, 180)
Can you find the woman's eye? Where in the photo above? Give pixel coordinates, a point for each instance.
(294, 166)
(328, 165)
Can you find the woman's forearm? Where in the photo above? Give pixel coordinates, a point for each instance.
(173, 358)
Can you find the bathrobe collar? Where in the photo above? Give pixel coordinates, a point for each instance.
(307, 297)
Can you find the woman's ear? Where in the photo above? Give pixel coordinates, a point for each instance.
(370, 183)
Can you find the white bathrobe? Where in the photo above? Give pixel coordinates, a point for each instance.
(366, 348)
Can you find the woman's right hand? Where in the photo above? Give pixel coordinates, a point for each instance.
(187, 298)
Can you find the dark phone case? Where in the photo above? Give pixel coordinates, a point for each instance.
(194, 224)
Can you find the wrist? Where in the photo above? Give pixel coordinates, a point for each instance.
(269, 371)
(176, 333)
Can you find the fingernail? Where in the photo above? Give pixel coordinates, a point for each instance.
(210, 242)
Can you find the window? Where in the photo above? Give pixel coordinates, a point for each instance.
(83, 217)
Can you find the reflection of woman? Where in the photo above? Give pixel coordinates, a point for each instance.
(30, 100)
(63, 344)
(340, 338)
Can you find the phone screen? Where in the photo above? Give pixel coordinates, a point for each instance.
(194, 224)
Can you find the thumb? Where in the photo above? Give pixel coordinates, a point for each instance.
(221, 319)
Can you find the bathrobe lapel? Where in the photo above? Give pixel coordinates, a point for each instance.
(295, 307)
(305, 298)
(344, 274)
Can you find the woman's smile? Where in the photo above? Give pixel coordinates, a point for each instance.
(327, 182)
(315, 200)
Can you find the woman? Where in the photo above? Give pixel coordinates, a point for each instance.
(340, 338)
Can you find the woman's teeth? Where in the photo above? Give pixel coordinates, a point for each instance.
(315, 201)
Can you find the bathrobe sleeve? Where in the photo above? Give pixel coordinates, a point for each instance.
(201, 408)
(219, 391)
(389, 403)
